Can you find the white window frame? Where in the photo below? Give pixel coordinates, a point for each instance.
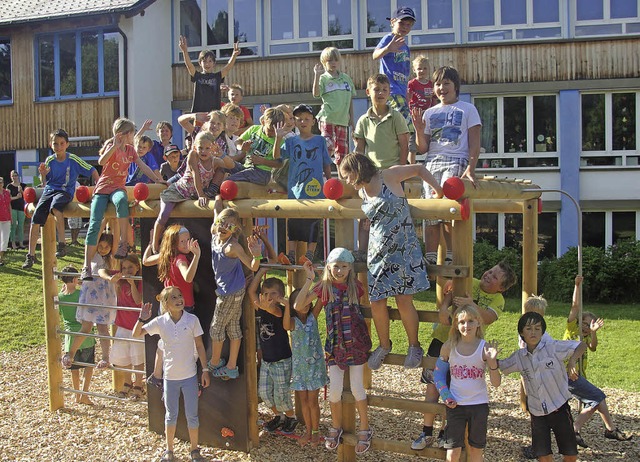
(203, 32)
(323, 37)
(605, 20)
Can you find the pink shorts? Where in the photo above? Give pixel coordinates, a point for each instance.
(337, 137)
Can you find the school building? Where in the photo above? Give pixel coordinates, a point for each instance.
(556, 83)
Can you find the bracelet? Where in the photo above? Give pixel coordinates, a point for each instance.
(143, 320)
(257, 257)
(494, 369)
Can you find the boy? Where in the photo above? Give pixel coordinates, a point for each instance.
(255, 147)
(421, 96)
(542, 368)
(86, 352)
(143, 148)
(275, 370)
(450, 132)
(169, 168)
(308, 161)
(336, 90)
(393, 53)
(164, 130)
(235, 116)
(206, 83)
(58, 174)
(235, 95)
(487, 298)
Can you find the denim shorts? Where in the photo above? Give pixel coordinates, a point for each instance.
(586, 392)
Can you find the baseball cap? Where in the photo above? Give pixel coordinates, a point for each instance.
(171, 148)
(302, 108)
(340, 254)
(403, 12)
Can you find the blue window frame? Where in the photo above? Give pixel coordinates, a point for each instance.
(77, 64)
(6, 89)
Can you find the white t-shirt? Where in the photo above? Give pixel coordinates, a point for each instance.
(231, 144)
(179, 340)
(448, 125)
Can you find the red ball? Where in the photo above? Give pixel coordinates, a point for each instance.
(141, 192)
(27, 212)
(453, 188)
(82, 194)
(228, 190)
(333, 189)
(29, 195)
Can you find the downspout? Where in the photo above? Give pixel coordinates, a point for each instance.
(123, 77)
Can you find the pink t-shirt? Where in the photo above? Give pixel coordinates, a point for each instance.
(5, 205)
(127, 319)
(175, 279)
(422, 96)
(114, 173)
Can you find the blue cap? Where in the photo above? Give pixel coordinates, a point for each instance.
(340, 254)
(403, 12)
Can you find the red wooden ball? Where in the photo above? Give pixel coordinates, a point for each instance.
(141, 192)
(27, 212)
(29, 195)
(228, 190)
(82, 194)
(453, 188)
(333, 189)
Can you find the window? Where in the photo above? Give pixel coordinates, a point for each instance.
(487, 228)
(606, 17)
(623, 226)
(609, 128)
(6, 92)
(547, 235)
(77, 64)
(495, 20)
(302, 26)
(217, 24)
(434, 21)
(518, 131)
(593, 227)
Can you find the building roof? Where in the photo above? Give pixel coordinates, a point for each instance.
(24, 11)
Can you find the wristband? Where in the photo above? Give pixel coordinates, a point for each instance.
(143, 320)
(257, 257)
(493, 368)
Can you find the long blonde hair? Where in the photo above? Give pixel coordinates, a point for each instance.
(326, 285)
(169, 249)
(470, 311)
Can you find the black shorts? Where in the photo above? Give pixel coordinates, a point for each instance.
(86, 355)
(51, 199)
(474, 416)
(433, 352)
(303, 229)
(560, 422)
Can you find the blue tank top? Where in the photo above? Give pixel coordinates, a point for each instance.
(227, 271)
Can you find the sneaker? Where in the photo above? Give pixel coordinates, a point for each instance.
(359, 256)
(377, 357)
(414, 357)
(156, 382)
(527, 452)
(581, 441)
(28, 261)
(283, 259)
(441, 440)
(616, 435)
(225, 373)
(274, 424)
(221, 363)
(422, 441)
(431, 260)
(85, 274)
(61, 250)
(196, 456)
(123, 251)
(427, 376)
(290, 424)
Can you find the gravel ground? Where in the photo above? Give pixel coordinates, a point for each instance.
(114, 431)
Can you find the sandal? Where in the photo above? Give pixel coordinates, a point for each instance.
(136, 393)
(364, 441)
(124, 393)
(196, 456)
(66, 361)
(102, 364)
(332, 441)
(167, 456)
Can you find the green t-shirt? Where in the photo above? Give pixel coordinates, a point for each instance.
(572, 333)
(336, 94)
(262, 145)
(381, 136)
(68, 313)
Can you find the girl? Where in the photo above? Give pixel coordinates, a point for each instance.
(348, 340)
(395, 261)
(465, 355)
(308, 372)
(128, 354)
(5, 219)
(227, 258)
(174, 269)
(179, 331)
(115, 156)
(201, 166)
(16, 188)
(98, 292)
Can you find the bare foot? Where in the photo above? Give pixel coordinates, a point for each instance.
(85, 400)
(304, 439)
(315, 438)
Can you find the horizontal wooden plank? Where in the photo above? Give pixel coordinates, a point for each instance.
(400, 447)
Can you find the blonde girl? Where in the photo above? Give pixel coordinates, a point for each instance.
(465, 355)
(348, 341)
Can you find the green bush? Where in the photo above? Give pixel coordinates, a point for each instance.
(618, 280)
(486, 255)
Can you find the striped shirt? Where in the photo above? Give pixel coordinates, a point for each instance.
(544, 374)
(63, 174)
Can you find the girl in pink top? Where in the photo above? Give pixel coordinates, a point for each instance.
(5, 219)
(115, 157)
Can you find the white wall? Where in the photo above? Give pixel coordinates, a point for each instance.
(609, 185)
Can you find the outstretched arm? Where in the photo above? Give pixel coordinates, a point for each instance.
(576, 301)
(306, 296)
(490, 355)
(236, 51)
(182, 43)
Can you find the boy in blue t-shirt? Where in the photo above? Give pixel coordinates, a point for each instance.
(308, 161)
(143, 148)
(58, 174)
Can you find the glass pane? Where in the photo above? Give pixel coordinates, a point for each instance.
(217, 22)
(190, 20)
(281, 19)
(513, 230)
(440, 14)
(589, 9)
(416, 6)
(547, 235)
(46, 67)
(67, 44)
(542, 32)
(487, 228)
(341, 44)
(546, 11)
(513, 11)
(624, 121)
(624, 226)
(487, 108)
(624, 9)
(432, 38)
(289, 48)
(339, 17)
(593, 229)
(310, 19)
(481, 13)
(111, 61)
(490, 36)
(5, 70)
(89, 60)
(595, 29)
(544, 123)
(377, 13)
(515, 124)
(244, 21)
(593, 122)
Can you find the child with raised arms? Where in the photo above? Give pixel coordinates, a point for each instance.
(396, 266)
(180, 331)
(348, 341)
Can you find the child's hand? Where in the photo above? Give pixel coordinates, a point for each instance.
(579, 280)
(203, 201)
(255, 246)
(182, 43)
(260, 231)
(395, 43)
(491, 352)
(236, 50)
(572, 371)
(145, 311)
(263, 108)
(450, 403)
(596, 324)
(118, 141)
(462, 301)
(308, 269)
(256, 159)
(194, 247)
(281, 130)
(115, 278)
(448, 287)
(418, 121)
(43, 169)
(263, 302)
(146, 126)
(318, 68)
(470, 174)
(246, 145)
(205, 378)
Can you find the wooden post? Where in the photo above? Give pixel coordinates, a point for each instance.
(529, 249)
(51, 315)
